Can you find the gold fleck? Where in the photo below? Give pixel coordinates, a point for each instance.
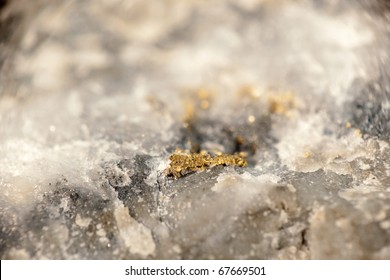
(203, 94)
(281, 103)
(348, 125)
(251, 119)
(307, 155)
(358, 133)
(189, 111)
(204, 104)
(240, 140)
(249, 91)
(183, 162)
(195, 101)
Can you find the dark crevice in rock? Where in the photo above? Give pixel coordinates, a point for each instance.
(370, 111)
(212, 135)
(10, 235)
(68, 217)
(127, 177)
(3, 3)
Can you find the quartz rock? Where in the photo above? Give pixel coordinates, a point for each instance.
(96, 95)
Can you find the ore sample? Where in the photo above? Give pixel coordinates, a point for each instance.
(248, 129)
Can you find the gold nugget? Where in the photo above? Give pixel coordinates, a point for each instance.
(184, 162)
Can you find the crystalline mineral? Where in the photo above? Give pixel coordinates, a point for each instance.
(95, 97)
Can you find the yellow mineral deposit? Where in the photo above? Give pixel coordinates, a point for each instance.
(249, 91)
(204, 98)
(183, 162)
(196, 101)
(281, 103)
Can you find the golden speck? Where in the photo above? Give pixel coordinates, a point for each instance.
(204, 98)
(307, 155)
(348, 125)
(204, 104)
(358, 133)
(281, 103)
(203, 94)
(240, 140)
(251, 119)
(195, 101)
(249, 91)
(243, 154)
(189, 111)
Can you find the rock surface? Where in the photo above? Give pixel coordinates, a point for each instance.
(96, 95)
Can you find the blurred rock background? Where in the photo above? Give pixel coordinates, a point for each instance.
(96, 95)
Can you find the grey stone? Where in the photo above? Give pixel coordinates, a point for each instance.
(96, 95)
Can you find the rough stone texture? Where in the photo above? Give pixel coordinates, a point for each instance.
(95, 96)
